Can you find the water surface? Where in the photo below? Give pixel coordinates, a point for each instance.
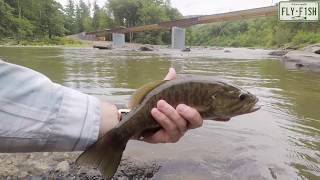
(281, 141)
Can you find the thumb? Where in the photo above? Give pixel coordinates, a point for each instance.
(171, 74)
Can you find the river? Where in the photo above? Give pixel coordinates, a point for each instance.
(280, 141)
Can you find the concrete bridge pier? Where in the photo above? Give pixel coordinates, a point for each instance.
(178, 38)
(118, 39)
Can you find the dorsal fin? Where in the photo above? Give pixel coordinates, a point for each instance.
(139, 95)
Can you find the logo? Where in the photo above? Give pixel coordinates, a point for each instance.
(303, 11)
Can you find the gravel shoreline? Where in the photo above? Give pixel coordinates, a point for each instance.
(62, 166)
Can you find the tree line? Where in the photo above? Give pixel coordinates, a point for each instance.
(261, 32)
(32, 20)
(38, 19)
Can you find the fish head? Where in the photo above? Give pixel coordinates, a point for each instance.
(229, 101)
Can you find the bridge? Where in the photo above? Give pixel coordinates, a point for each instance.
(178, 26)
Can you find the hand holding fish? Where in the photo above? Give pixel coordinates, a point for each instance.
(174, 122)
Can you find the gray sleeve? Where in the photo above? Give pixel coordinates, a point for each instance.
(37, 115)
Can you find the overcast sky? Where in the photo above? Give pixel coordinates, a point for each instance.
(203, 7)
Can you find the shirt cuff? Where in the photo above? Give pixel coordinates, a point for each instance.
(78, 121)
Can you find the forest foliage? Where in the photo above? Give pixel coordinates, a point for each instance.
(262, 32)
(47, 22)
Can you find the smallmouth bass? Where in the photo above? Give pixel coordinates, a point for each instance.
(213, 99)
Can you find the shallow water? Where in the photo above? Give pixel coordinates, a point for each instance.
(280, 141)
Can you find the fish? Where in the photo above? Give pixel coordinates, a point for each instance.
(212, 98)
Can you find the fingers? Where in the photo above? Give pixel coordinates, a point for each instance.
(176, 121)
(191, 115)
(171, 132)
(171, 74)
(173, 125)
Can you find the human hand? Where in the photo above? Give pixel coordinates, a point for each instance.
(174, 122)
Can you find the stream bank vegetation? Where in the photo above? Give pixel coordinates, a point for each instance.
(262, 32)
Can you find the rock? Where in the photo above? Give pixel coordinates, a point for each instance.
(291, 47)
(63, 166)
(122, 178)
(216, 48)
(186, 50)
(108, 47)
(41, 166)
(227, 51)
(22, 175)
(302, 56)
(92, 173)
(146, 48)
(303, 59)
(278, 53)
(8, 161)
(312, 49)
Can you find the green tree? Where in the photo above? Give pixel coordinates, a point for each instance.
(70, 18)
(51, 20)
(125, 12)
(6, 20)
(140, 12)
(83, 18)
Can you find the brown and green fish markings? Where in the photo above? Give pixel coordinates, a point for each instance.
(213, 99)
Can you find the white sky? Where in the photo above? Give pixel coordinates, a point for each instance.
(204, 7)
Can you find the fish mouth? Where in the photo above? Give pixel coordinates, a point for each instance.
(255, 108)
(222, 119)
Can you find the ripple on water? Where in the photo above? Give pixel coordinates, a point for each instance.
(279, 141)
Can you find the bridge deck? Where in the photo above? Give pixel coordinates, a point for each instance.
(230, 16)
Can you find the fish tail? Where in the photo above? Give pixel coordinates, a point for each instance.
(105, 154)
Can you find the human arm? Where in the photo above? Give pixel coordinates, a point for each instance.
(37, 115)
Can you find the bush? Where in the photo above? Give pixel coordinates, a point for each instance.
(303, 37)
(264, 32)
(53, 41)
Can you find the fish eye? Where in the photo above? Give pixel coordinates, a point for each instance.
(242, 97)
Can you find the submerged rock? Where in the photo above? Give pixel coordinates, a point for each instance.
(278, 53)
(227, 51)
(299, 65)
(186, 50)
(146, 48)
(103, 47)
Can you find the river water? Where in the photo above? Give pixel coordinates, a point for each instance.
(280, 141)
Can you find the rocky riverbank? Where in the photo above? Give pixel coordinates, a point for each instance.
(306, 58)
(61, 166)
